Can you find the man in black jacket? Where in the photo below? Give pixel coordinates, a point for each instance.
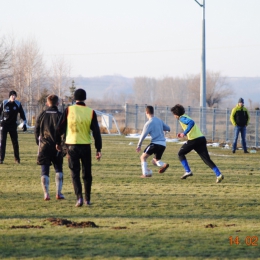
(240, 119)
(45, 136)
(9, 110)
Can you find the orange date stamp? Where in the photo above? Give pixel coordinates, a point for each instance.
(249, 240)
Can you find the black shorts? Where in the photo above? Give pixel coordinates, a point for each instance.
(155, 149)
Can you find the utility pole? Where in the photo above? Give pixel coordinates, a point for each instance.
(203, 73)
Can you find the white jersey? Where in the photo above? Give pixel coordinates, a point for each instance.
(155, 127)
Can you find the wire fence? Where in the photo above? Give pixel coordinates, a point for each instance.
(214, 122)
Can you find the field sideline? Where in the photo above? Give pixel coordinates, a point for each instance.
(162, 217)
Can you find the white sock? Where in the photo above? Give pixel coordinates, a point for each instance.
(45, 184)
(144, 167)
(159, 163)
(58, 181)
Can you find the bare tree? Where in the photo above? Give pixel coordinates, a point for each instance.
(28, 69)
(171, 90)
(28, 73)
(60, 77)
(217, 88)
(193, 89)
(5, 57)
(144, 90)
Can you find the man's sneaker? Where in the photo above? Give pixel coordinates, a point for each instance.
(220, 178)
(246, 152)
(1, 162)
(186, 175)
(17, 161)
(233, 151)
(87, 202)
(79, 202)
(164, 168)
(60, 197)
(47, 197)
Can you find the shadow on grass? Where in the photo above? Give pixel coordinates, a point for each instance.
(105, 245)
(163, 206)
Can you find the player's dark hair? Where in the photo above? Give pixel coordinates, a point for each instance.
(149, 110)
(53, 99)
(178, 110)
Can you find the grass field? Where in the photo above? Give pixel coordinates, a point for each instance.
(162, 217)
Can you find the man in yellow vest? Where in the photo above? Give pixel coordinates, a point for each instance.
(77, 122)
(196, 141)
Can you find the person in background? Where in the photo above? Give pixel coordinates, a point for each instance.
(155, 127)
(9, 110)
(77, 122)
(196, 141)
(45, 134)
(240, 119)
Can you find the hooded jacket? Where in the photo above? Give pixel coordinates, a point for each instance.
(239, 116)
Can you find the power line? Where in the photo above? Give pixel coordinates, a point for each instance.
(152, 51)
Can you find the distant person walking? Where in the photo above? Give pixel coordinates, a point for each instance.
(196, 141)
(240, 119)
(9, 110)
(45, 134)
(155, 127)
(79, 123)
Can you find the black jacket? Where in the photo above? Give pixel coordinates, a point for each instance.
(45, 132)
(9, 111)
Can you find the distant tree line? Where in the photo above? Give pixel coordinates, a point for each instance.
(170, 90)
(186, 90)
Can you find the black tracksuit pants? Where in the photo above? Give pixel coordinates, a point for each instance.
(80, 155)
(200, 146)
(12, 130)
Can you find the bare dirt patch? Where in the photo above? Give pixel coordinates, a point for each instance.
(68, 223)
(210, 226)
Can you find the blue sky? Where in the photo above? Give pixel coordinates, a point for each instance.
(153, 38)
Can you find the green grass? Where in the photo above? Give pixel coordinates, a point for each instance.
(162, 217)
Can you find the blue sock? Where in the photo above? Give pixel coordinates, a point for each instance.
(185, 165)
(216, 170)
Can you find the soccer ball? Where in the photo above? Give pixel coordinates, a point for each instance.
(149, 173)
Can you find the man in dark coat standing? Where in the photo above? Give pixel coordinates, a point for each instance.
(9, 110)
